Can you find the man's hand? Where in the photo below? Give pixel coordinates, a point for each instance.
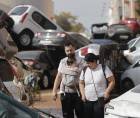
(84, 98)
(106, 95)
(54, 95)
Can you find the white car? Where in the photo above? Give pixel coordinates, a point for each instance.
(27, 21)
(133, 52)
(125, 106)
(131, 76)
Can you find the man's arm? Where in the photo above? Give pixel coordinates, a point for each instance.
(56, 85)
(111, 85)
(82, 90)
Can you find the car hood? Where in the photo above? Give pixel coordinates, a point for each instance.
(122, 105)
(124, 108)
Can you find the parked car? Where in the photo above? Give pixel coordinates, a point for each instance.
(42, 61)
(120, 33)
(10, 108)
(133, 24)
(57, 38)
(99, 30)
(27, 21)
(125, 106)
(130, 76)
(132, 54)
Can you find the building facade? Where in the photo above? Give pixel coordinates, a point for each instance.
(121, 9)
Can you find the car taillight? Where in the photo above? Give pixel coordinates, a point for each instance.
(83, 51)
(40, 35)
(29, 62)
(23, 17)
(61, 34)
(37, 34)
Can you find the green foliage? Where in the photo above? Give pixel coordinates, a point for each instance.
(69, 22)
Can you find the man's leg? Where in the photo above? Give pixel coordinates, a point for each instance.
(98, 110)
(78, 105)
(67, 108)
(88, 109)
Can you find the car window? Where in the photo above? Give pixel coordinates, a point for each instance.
(137, 45)
(18, 10)
(81, 40)
(8, 110)
(28, 54)
(42, 21)
(137, 64)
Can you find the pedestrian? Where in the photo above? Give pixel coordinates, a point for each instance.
(93, 86)
(68, 78)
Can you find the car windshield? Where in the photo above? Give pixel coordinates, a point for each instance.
(18, 10)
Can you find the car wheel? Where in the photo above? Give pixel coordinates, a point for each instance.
(46, 81)
(127, 85)
(25, 40)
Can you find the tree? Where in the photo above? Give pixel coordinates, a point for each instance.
(69, 22)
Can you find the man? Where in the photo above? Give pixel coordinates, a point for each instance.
(93, 86)
(68, 77)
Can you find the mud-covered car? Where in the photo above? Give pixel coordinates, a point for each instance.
(10, 108)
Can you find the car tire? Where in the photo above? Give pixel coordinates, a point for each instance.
(25, 39)
(46, 80)
(127, 85)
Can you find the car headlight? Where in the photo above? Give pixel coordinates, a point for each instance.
(108, 106)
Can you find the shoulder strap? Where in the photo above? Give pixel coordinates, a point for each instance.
(84, 70)
(103, 67)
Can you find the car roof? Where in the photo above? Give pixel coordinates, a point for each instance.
(104, 42)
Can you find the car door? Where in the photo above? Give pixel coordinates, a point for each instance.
(134, 73)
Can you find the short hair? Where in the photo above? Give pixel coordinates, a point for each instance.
(90, 57)
(68, 43)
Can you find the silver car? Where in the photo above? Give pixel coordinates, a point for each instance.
(131, 76)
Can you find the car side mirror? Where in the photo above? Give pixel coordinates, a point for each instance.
(132, 49)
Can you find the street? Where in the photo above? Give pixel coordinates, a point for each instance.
(47, 104)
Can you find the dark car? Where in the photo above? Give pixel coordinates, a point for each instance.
(99, 30)
(120, 33)
(10, 108)
(133, 24)
(57, 38)
(43, 61)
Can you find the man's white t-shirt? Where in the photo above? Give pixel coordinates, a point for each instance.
(70, 75)
(95, 78)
